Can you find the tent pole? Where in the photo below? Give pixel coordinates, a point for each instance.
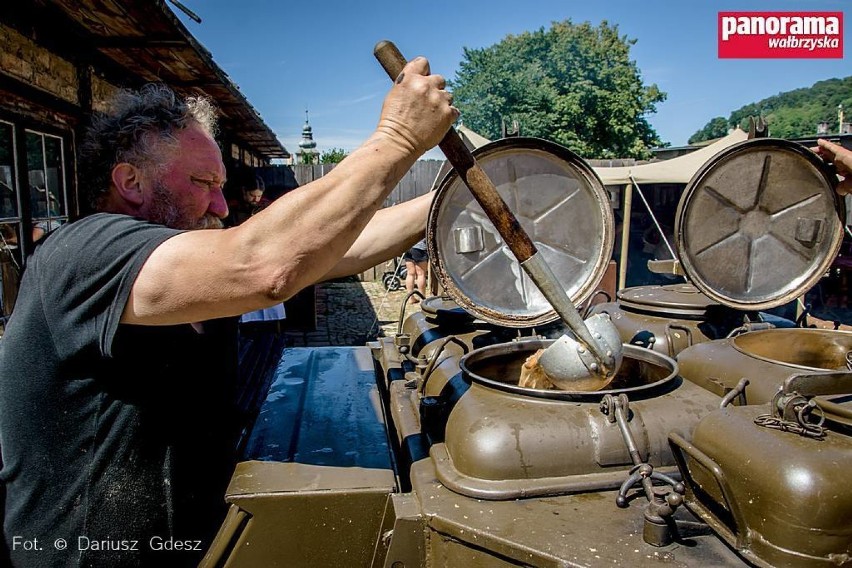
(625, 235)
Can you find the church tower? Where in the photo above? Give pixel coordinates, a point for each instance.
(307, 147)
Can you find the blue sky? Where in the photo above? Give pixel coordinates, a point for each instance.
(288, 56)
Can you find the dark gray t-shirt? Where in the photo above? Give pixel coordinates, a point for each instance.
(111, 434)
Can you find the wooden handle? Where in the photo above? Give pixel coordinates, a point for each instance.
(507, 225)
(472, 175)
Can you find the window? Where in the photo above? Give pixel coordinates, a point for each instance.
(32, 202)
(10, 222)
(46, 175)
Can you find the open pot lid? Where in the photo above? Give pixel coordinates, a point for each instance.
(759, 224)
(445, 310)
(668, 300)
(561, 203)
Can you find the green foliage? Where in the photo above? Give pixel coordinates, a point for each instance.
(332, 156)
(308, 158)
(792, 114)
(716, 128)
(572, 83)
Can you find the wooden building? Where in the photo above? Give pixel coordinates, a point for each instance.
(61, 59)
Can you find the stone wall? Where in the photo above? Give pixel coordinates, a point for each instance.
(27, 61)
(102, 91)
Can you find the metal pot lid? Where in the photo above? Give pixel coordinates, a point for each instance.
(433, 305)
(561, 203)
(444, 309)
(759, 224)
(671, 299)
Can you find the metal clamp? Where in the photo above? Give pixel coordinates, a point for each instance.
(792, 412)
(658, 528)
(645, 474)
(617, 410)
(796, 409)
(402, 341)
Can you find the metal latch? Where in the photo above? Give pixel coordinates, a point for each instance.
(669, 266)
(468, 239)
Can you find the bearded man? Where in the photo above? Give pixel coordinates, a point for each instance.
(118, 366)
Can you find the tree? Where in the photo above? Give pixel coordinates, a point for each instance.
(332, 156)
(308, 157)
(792, 114)
(572, 83)
(716, 128)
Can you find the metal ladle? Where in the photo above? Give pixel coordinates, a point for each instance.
(590, 358)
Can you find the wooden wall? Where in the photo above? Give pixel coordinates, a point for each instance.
(23, 59)
(420, 179)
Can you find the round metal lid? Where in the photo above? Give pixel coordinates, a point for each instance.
(435, 304)
(759, 224)
(561, 203)
(444, 309)
(671, 299)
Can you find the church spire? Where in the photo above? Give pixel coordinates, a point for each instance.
(307, 146)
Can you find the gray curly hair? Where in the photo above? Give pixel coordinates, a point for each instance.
(138, 129)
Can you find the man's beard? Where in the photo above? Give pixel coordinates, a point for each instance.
(166, 212)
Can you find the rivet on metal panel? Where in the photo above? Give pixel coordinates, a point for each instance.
(468, 239)
(809, 231)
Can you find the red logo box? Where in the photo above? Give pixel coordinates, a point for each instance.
(780, 35)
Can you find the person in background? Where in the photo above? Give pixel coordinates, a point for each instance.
(251, 200)
(842, 160)
(118, 367)
(416, 261)
(10, 270)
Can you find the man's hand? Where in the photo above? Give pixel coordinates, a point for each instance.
(842, 160)
(418, 110)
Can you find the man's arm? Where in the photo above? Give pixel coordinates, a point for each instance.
(303, 235)
(390, 232)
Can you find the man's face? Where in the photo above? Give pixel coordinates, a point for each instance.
(188, 194)
(253, 196)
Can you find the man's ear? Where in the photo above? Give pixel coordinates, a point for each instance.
(127, 180)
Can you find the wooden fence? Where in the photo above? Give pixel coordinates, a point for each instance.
(420, 179)
(417, 181)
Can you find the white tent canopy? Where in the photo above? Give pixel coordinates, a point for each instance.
(676, 170)
(470, 138)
